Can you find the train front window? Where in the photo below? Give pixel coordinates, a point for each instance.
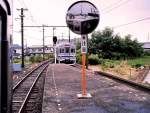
(61, 50)
(72, 50)
(67, 49)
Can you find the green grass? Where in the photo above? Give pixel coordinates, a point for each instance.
(143, 61)
(137, 62)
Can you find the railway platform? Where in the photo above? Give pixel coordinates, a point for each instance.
(147, 78)
(63, 83)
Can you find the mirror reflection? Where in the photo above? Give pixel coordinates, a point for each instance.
(82, 17)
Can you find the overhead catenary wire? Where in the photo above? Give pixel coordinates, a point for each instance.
(111, 5)
(132, 22)
(33, 20)
(117, 6)
(22, 3)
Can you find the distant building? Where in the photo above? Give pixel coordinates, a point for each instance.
(38, 49)
(16, 51)
(146, 46)
(31, 50)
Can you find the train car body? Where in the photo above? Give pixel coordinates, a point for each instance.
(5, 56)
(66, 52)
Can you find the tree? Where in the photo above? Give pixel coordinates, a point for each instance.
(111, 46)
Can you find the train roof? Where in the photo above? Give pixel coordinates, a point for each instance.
(65, 44)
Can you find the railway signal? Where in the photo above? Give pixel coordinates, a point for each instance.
(82, 18)
(54, 42)
(54, 39)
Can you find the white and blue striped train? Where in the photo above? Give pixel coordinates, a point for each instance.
(66, 52)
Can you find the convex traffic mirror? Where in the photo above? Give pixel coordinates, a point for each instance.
(82, 17)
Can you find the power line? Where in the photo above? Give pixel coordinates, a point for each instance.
(25, 6)
(117, 6)
(39, 39)
(33, 30)
(136, 21)
(33, 20)
(107, 7)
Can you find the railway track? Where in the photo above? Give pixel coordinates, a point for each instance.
(21, 75)
(27, 93)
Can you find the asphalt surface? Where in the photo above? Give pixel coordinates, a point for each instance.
(63, 83)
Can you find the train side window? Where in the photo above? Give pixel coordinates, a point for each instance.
(72, 50)
(40, 49)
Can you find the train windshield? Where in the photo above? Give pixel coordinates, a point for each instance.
(67, 49)
(72, 50)
(61, 50)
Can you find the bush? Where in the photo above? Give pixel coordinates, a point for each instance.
(79, 56)
(101, 61)
(32, 59)
(17, 61)
(137, 65)
(93, 59)
(108, 63)
(123, 68)
(38, 58)
(48, 56)
(147, 53)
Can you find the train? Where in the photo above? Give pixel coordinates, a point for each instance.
(66, 52)
(5, 56)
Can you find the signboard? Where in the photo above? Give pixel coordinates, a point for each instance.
(84, 44)
(82, 17)
(84, 50)
(84, 40)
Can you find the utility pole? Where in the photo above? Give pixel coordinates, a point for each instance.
(62, 35)
(53, 31)
(43, 43)
(22, 35)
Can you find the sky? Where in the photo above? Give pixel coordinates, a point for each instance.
(53, 12)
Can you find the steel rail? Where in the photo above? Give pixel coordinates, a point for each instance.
(28, 74)
(29, 92)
